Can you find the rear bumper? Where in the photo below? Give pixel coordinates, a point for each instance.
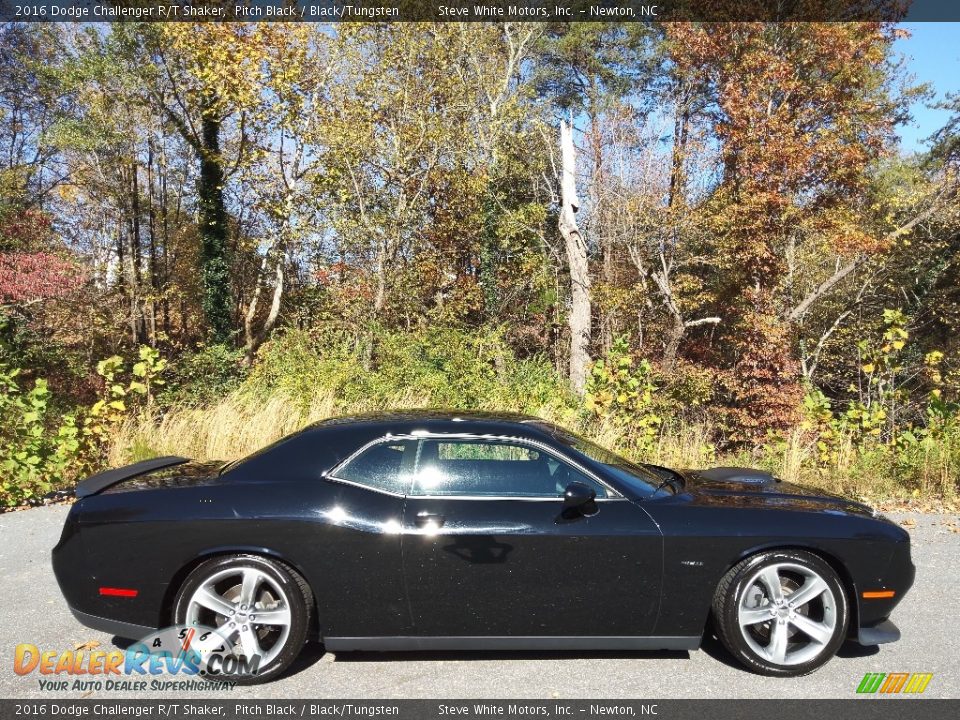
(114, 627)
(883, 632)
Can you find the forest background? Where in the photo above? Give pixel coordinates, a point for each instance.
(211, 235)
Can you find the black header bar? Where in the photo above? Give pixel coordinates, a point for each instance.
(478, 10)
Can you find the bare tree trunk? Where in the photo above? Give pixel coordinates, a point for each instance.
(152, 225)
(254, 337)
(130, 260)
(672, 345)
(579, 318)
(380, 272)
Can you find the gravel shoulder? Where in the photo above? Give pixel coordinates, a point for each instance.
(34, 612)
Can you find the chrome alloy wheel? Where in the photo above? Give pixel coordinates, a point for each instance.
(245, 605)
(787, 614)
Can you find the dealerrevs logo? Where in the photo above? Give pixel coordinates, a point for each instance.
(201, 657)
(893, 683)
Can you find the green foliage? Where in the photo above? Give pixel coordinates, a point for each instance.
(438, 367)
(620, 391)
(124, 392)
(398, 239)
(205, 375)
(920, 451)
(35, 452)
(42, 450)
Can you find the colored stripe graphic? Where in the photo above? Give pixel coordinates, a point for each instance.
(870, 682)
(893, 683)
(918, 682)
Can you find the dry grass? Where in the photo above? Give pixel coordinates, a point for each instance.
(231, 428)
(244, 422)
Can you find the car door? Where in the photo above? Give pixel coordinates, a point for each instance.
(354, 546)
(487, 552)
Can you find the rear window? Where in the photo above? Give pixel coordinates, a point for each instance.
(380, 466)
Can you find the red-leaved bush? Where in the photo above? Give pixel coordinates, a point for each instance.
(30, 277)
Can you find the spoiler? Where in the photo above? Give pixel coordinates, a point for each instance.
(101, 481)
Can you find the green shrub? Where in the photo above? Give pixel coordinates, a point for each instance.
(36, 452)
(621, 392)
(441, 367)
(203, 376)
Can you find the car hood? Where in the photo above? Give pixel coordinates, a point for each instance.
(746, 486)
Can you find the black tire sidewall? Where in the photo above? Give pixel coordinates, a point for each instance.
(727, 612)
(299, 610)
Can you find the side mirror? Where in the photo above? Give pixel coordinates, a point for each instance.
(579, 500)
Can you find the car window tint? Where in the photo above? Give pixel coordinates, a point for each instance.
(379, 466)
(496, 469)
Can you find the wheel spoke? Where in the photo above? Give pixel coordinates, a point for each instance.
(249, 641)
(275, 616)
(771, 580)
(248, 589)
(209, 599)
(813, 587)
(752, 616)
(818, 632)
(777, 649)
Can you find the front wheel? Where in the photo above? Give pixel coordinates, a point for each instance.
(261, 607)
(781, 613)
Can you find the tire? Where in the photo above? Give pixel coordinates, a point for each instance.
(765, 631)
(212, 595)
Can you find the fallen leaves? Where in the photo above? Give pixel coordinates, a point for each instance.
(951, 525)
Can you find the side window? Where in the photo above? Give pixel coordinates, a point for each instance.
(496, 469)
(381, 466)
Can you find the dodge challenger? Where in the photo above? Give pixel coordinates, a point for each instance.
(469, 531)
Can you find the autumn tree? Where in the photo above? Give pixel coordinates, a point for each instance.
(286, 165)
(600, 71)
(204, 78)
(801, 111)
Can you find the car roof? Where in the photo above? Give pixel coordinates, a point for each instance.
(326, 443)
(448, 421)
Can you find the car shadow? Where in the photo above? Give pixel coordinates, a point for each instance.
(361, 656)
(851, 649)
(712, 646)
(716, 650)
(311, 654)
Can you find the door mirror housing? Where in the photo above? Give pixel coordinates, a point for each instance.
(579, 500)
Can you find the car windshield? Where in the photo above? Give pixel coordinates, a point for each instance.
(633, 475)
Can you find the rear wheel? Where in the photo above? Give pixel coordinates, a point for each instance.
(781, 613)
(261, 607)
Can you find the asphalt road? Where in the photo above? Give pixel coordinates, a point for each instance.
(33, 611)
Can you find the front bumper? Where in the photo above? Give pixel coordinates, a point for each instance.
(883, 632)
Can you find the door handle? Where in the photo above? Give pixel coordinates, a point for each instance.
(425, 519)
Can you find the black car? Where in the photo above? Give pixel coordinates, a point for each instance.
(444, 530)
